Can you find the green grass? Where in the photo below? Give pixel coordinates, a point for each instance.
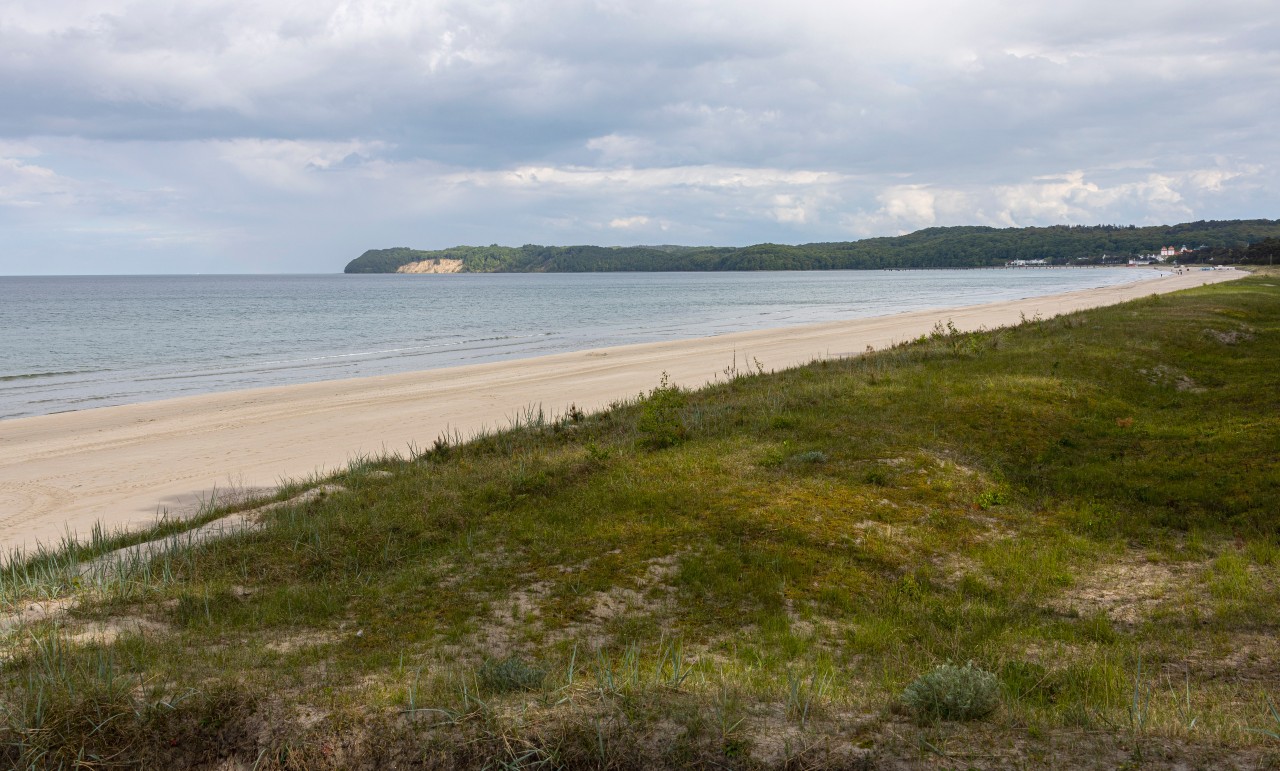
(748, 575)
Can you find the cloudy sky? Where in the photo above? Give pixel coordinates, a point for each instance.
(246, 136)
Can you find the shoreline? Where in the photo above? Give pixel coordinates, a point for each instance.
(124, 465)
(290, 330)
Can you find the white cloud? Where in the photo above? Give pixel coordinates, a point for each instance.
(699, 177)
(292, 165)
(910, 203)
(1068, 198)
(790, 209)
(1214, 180)
(629, 223)
(28, 185)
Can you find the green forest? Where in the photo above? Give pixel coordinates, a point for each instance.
(1215, 241)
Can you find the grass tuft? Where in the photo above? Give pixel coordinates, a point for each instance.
(510, 674)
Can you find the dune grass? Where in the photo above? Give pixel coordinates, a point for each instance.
(748, 575)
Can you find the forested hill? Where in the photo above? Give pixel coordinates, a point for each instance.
(953, 247)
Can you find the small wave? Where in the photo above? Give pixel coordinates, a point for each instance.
(79, 399)
(385, 351)
(250, 368)
(34, 375)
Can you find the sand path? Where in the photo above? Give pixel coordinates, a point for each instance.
(125, 465)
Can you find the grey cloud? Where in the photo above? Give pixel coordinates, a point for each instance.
(207, 119)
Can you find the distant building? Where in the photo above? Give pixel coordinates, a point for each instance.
(1025, 263)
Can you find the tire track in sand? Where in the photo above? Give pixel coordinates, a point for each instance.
(22, 502)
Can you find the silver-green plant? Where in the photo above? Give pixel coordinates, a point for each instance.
(950, 692)
(510, 674)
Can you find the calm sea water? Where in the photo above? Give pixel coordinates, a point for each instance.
(69, 343)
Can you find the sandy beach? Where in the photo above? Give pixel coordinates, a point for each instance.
(125, 466)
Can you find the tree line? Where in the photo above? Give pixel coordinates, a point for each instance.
(1265, 252)
(1215, 241)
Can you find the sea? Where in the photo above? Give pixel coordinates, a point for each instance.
(79, 342)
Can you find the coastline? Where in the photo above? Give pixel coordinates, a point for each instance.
(108, 341)
(122, 466)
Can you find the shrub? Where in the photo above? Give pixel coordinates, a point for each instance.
(660, 421)
(509, 674)
(992, 498)
(876, 477)
(953, 693)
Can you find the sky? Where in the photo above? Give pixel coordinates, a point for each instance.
(282, 136)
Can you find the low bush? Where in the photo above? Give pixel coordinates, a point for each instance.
(660, 421)
(950, 692)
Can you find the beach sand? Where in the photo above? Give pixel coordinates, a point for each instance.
(124, 466)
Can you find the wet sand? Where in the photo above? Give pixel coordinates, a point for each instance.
(125, 466)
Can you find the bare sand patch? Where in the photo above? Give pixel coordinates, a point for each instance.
(296, 642)
(521, 611)
(34, 612)
(1130, 590)
(438, 265)
(107, 632)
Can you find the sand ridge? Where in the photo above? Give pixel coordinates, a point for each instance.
(125, 465)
